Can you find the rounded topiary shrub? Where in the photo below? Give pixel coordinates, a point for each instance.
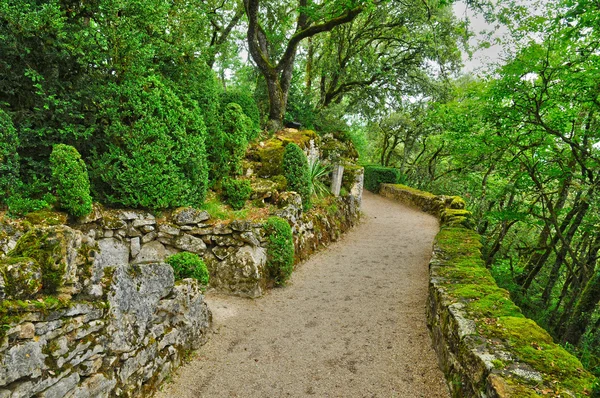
(235, 138)
(236, 192)
(189, 265)
(153, 153)
(9, 158)
(248, 105)
(280, 249)
(71, 180)
(296, 171)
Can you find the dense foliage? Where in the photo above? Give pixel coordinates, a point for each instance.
(70, 177)
(189, 265)
(280, 249)
(237, 132)
(236, 192)
(522, 145)
(377, 175)
(248, 105)
(159, 160)
(9, 157)
(296, 172)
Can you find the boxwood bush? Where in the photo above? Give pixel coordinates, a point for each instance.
(280, 249)
(236, 192)
(189, 265)
(153, 154)
(71, 180)
(297, 174)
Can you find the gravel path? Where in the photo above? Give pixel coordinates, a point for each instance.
(351, 323)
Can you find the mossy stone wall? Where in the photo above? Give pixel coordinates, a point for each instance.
(485, 346)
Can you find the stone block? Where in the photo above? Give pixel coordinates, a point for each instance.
(189, 216)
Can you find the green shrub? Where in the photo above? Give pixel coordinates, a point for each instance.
(235, 138)
(70, 177)
(154, 155)
(377, 175)
(199, 83)
(188, 265)
(19, 205)
(248, 105)
(9, 158)
(280, 249)
(295, 169)
(236, 192)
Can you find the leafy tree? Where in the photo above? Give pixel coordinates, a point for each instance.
(274, 53)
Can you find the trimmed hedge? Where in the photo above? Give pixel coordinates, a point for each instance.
(377, 175)
(155, 155)
(71, 179)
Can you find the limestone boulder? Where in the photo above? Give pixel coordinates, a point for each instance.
(134, 294)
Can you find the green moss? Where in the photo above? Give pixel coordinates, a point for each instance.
(457, 202)
(45, 217)
(534, 346)
(22, 281)
(414, 191)
(301, 138)
(270, 155)
(12, 311)
(46, 247)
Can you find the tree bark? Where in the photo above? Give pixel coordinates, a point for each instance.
(583, 310)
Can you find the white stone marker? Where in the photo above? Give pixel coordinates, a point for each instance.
(336, 180)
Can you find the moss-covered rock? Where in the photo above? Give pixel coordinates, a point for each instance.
(299, 137)
(22, 277)
(506, 354)
(45, 217)
(55, 250)
(337, 148)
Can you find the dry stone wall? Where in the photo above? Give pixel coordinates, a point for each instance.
(484, 344)
(98, 312)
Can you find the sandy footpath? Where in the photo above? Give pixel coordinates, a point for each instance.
(351, 322)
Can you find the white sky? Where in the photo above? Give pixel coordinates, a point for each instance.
(483, 58)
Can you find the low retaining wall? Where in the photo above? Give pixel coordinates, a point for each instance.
(485, 346)
(122, 344)
(90, 309)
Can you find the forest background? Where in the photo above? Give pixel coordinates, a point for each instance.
(161, 98)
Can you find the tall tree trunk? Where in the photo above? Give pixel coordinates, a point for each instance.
(583, 311)
(278, 74)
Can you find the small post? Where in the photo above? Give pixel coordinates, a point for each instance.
(336, 180)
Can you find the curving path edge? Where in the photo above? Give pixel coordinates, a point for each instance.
(351, 322)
